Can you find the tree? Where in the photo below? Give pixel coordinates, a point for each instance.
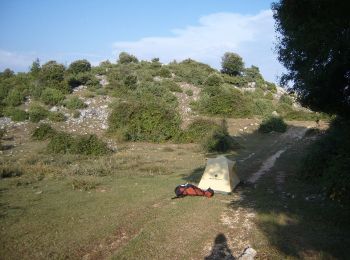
(7, 73)
(52, 75)
(253, 74)
(35, 68)
(314, 46)
(79, 66)
(125, 58)
(232, 64)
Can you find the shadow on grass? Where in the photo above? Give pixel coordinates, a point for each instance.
(194, 176)
(6, 147)
(220, 249)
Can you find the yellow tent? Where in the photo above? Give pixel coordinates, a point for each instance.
(219, 175)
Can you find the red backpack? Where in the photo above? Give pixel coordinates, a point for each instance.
(191, 190)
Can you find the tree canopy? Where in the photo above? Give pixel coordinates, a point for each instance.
(314, 46)
(232, 64)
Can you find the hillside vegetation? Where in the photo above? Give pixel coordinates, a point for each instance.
(147, 94)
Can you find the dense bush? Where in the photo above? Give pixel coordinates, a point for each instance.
(214, 79)
(285, 98)
(263, 107)
(74, 103)
(37, 113)
(43, 132)
(273, 123)
(79, 66)
(85, 145)
(51, 96)
(82, 78)
(237, 81)
(327, 161)
(15, 97)
(219, 140)
(224, 101)
(130, 81)
(57, 117)
(89, 145)
(16, 114)
(253, 75)
(125, 58)
(191, 71)
(145, 120)
(60, 143)
(165, 72)
(197, 130)
(171, 86)
(52, 75)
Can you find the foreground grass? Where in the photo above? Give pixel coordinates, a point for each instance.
(120, 205)
(76, 206)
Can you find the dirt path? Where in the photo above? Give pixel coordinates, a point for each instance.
(238, 220)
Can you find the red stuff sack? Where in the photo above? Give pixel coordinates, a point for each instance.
(192, 190)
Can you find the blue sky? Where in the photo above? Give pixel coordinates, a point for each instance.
(99, 30)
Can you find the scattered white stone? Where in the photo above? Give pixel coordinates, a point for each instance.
(54, 109)
(274, 113)
(248, 254)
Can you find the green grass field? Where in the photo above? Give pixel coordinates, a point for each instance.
(119, 206)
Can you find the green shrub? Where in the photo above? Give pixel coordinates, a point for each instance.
(269, 96)
(79, 66)
(165, 72)
(171, 86)
(125, 58)
(214, 79)
(74, 103)
(285, 98)
(60, 143)
(43, 132)
(327, 161)
(263, 107)
(273, 123)
(52, 76)
(83, 184)
(131, 81)
(197, 130)
(191, 71)
(89, 145)
(145, 120)
(271, 87)
(189, 92)
(219, 140)
(37, 113)
(15, 97)
(83, 78)
(253, 74)
(16, 114)
(51, 96)
(289, 113)
(84, 145)
(235, 80)
(224, 101)
(57, 117)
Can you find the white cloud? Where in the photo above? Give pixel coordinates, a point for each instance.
(15, 61)
(251, 36)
